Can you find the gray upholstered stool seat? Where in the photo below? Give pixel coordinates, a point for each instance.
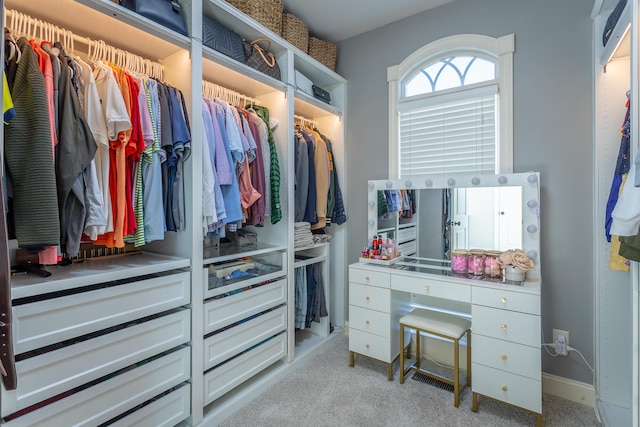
(444, 325)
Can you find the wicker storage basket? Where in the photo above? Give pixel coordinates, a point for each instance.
(266, 12)
(295, 32)
(325, 52)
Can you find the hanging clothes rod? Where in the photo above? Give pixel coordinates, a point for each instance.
(212, 90)
(303, 121)
(24, 25)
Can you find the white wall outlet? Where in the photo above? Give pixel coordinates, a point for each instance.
(558, 332)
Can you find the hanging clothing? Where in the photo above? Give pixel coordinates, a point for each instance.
(274, 169)
(29, 156)
(74, 153)
(231, 191)
(116, 120)
(301, 178)
(622, 168)
(96, 216)
(300, 297)
(263, 137)
(154, 220)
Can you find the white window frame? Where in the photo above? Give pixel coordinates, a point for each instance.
(499, 49)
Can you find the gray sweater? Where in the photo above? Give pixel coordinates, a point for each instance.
(29, 157)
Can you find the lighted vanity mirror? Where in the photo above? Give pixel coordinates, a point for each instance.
(489, 212)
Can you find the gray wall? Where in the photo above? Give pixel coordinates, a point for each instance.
(552, 134)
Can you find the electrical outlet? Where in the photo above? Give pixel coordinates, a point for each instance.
(558, 332)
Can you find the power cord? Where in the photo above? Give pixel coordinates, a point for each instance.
(564, 352)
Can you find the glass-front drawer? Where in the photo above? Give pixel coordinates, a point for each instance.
(237, 273)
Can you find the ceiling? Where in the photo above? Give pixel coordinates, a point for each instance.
(337, 20)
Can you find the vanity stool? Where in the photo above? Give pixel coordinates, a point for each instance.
(444, 325)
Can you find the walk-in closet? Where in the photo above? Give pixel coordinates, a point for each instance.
(184, 322)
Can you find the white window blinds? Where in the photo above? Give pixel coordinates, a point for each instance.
(449, 133)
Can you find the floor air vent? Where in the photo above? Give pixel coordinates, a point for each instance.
(432, 381)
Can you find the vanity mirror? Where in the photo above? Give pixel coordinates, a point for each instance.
(489, 212)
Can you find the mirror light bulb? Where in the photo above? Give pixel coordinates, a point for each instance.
(372, 185)
(428, 183)
(451, 182)
(389, 184)
(532, 178)
(532, 254)
(371, 223)
(532, 228)
(502, 179)
(475, 180)
(371, 203)
(408, 183)
(532, 203)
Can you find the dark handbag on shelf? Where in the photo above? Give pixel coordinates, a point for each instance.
(220, 38)
(167, 13)
(321, 94)
(255, 56)
(612, 20)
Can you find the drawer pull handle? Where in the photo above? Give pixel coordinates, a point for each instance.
(367, 322)
(426, 288)
(367, 298)
(367, 346)
(503, 300)
(504, 388)
(366, 278)
(504, 357)
(504, 326)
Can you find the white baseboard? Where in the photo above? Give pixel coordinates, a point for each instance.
(565, 388)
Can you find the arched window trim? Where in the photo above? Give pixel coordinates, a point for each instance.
(499, 49)
(419, 68)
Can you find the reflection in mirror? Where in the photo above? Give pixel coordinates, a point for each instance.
(487, 218)
(443, 213)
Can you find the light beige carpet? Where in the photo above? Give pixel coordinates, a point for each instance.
(326, 391)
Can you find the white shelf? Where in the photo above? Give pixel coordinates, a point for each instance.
(92, 272)
(618, 44)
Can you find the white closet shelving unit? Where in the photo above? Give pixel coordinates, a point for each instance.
(215, 374)
(403, 230)
(616, 292)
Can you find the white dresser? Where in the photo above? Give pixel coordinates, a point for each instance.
(103, 341)
(374, 313)
(506, 350)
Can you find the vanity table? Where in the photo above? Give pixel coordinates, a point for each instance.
(505, 316)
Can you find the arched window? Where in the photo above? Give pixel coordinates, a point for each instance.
(451, 108)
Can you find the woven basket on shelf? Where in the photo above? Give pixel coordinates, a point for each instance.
(266, 12)
(295, 32)
(323, 51)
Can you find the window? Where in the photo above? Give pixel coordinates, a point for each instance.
(450, 108)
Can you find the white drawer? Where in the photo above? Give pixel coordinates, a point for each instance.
(507, 356)
(508, 300)
(106, 400)
(370, 297)
(372, 345)
(368, 277)
(371, 321)
(51, 373)
(408, 248)
(514, 389)
(407, 233)
(506, 325)
(227, 310)
(50, 321)
(233, 373)
(259, 268)
(431, 288)
(167, 411)
(224, 345)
